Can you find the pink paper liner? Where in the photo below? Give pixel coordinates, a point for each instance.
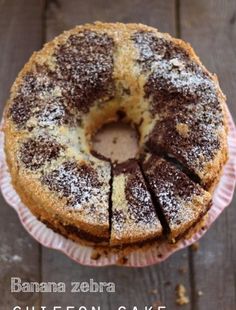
(137, 258)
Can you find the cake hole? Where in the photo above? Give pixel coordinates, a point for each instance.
(116, 141)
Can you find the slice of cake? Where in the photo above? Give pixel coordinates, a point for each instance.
(134, 218)
(181, 201)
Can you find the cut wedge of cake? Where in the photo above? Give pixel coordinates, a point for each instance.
(133, 214)
(181, 201)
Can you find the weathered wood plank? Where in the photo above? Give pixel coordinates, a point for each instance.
(213, 265)
(133, 286)
(210, 26)
(62, 15)
(20, 34)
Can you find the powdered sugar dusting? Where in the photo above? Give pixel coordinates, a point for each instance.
(181, 92)
(53, 99)
(51, 114)
(173, 207)
(84, 68)
(40, 98)
(140, 207)
(119, 220)
(172, 68)
(132, 205)
(188, 80)
(174, 192)
(35, 152)
(153, 49)
(80, 184)
(82, 75)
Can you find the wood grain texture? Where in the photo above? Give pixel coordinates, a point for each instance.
(62, 14)
(133, 286)
(20, 34)
(210, 26)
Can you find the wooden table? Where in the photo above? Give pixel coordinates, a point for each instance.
(210, 26)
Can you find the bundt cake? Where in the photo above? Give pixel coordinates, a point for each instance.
(89, 76)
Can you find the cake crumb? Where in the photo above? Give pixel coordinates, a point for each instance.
(167, 283)
(122, 260)
(195, 246)
(182, 270)
(177, 63)
(182, 298)
(95, 255)
(154, 291)
(156, 305)
(184, 255)
(182, 129)
(200, 293)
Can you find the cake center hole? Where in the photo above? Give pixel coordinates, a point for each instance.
(116, 141)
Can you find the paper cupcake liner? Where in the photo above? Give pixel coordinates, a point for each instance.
(138, 257)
